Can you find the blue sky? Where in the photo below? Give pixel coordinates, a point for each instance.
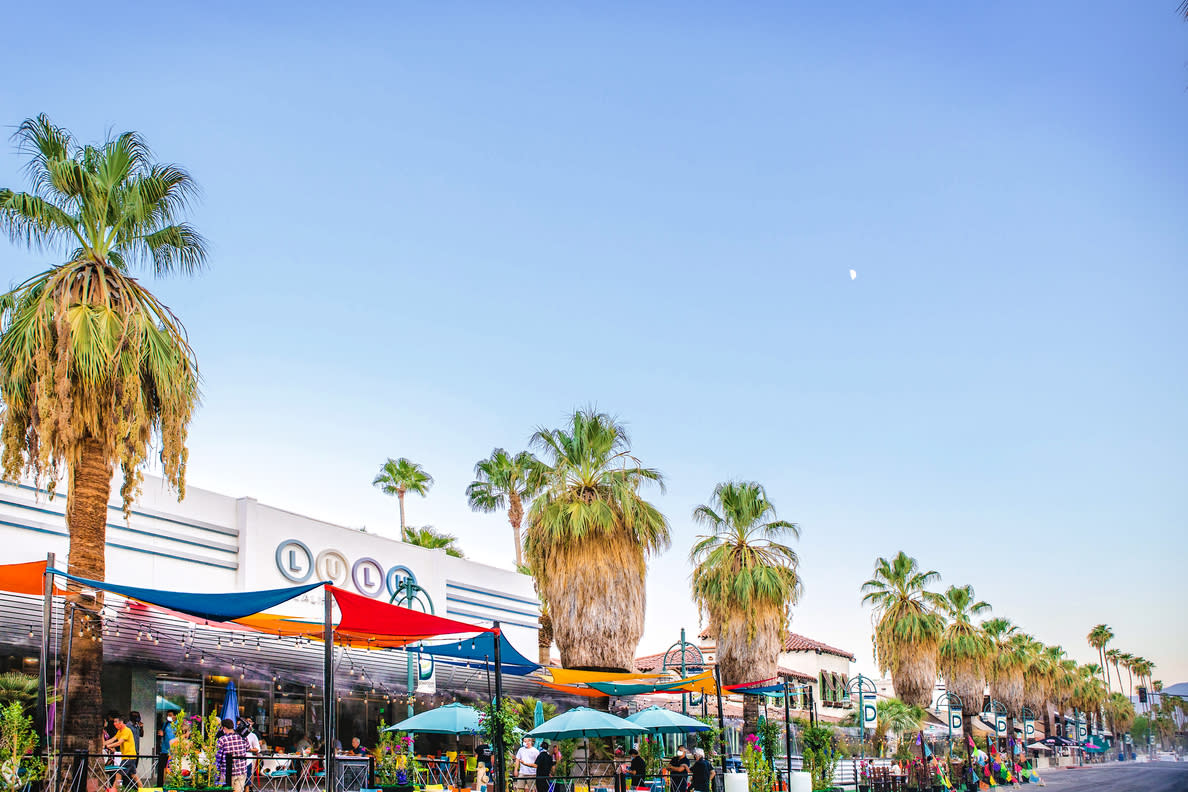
(436, 227)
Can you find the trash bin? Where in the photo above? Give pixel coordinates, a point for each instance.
(736, 782)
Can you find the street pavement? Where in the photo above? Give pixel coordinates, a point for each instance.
(1120, 777)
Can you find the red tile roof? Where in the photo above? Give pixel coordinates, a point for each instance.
(654, 662)
(796, 642)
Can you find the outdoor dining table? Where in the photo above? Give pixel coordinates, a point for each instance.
(282, 772)
(441, 771)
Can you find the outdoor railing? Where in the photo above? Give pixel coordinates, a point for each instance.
(81, 771)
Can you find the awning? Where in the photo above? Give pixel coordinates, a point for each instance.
(215, 607)
(480, 651)
(364, 617)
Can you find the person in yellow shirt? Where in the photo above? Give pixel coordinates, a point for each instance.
(125, 745)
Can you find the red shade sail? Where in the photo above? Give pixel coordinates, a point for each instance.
(364, 617)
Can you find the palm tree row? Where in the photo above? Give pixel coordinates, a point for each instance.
(1099, 638)
(589, 534)
(921, 634)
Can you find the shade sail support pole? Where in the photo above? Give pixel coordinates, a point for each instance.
(721, 720)
(500, 769)
(328, 686)
(43, 695)
(788, 731)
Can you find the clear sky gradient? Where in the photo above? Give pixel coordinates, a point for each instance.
(437, 226)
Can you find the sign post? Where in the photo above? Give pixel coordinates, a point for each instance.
(863, 687)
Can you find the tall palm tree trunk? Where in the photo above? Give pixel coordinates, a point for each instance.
(515, 514)
(544, 638)
(86, 519)
(750, 715)
(400, 497)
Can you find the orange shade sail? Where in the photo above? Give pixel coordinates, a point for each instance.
(27, 578)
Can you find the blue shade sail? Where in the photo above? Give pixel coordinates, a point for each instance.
(480, 651)
(215, 607)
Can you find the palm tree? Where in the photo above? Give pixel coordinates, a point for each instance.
(503, 480)
(93, 368)
(1005, 670)
(1120, 711)
(898, 717)
(1099, 637)
(745, 582)
(15, 686)
(908, 627)
(590, 532)
(1127, 660)
(431, 539)
(1114, 656)
(964, 651)
(1089, 692)
(398, 476)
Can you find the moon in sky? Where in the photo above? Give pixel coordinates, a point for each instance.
(853, 274)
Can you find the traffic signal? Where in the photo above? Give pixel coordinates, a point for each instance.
(1142, 695)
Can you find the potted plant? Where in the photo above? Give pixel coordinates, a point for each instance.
(393, 770)
(18, 767)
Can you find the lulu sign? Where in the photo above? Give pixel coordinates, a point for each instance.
(298, 563)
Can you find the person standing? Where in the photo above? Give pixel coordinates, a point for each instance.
(248, 733)
(525, 764)
(165, 736)
(124, 745)
(232, 748)
(702, 771)
(544, 767)
(637, 767)
(678, 770)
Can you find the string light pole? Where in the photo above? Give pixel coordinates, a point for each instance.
(858, 687)
(951, 700)
(683, 647)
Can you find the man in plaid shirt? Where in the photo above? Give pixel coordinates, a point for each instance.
(230, 744)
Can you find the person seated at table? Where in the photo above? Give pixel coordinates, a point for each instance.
(357, 747)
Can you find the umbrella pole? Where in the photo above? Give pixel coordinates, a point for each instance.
(721, 721)
(589, 785)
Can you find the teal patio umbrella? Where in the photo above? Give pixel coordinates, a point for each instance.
(165, 705)
(659, 720)
(586, 723)
(450, 719)
(538, 714)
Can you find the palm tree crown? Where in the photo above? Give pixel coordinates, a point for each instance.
(745, 581)
(88, 357)
(908, 627)
(964, 649)
(589, 534)
(504, 480)
(431, 539)
(1099, 637)
(398, 476)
